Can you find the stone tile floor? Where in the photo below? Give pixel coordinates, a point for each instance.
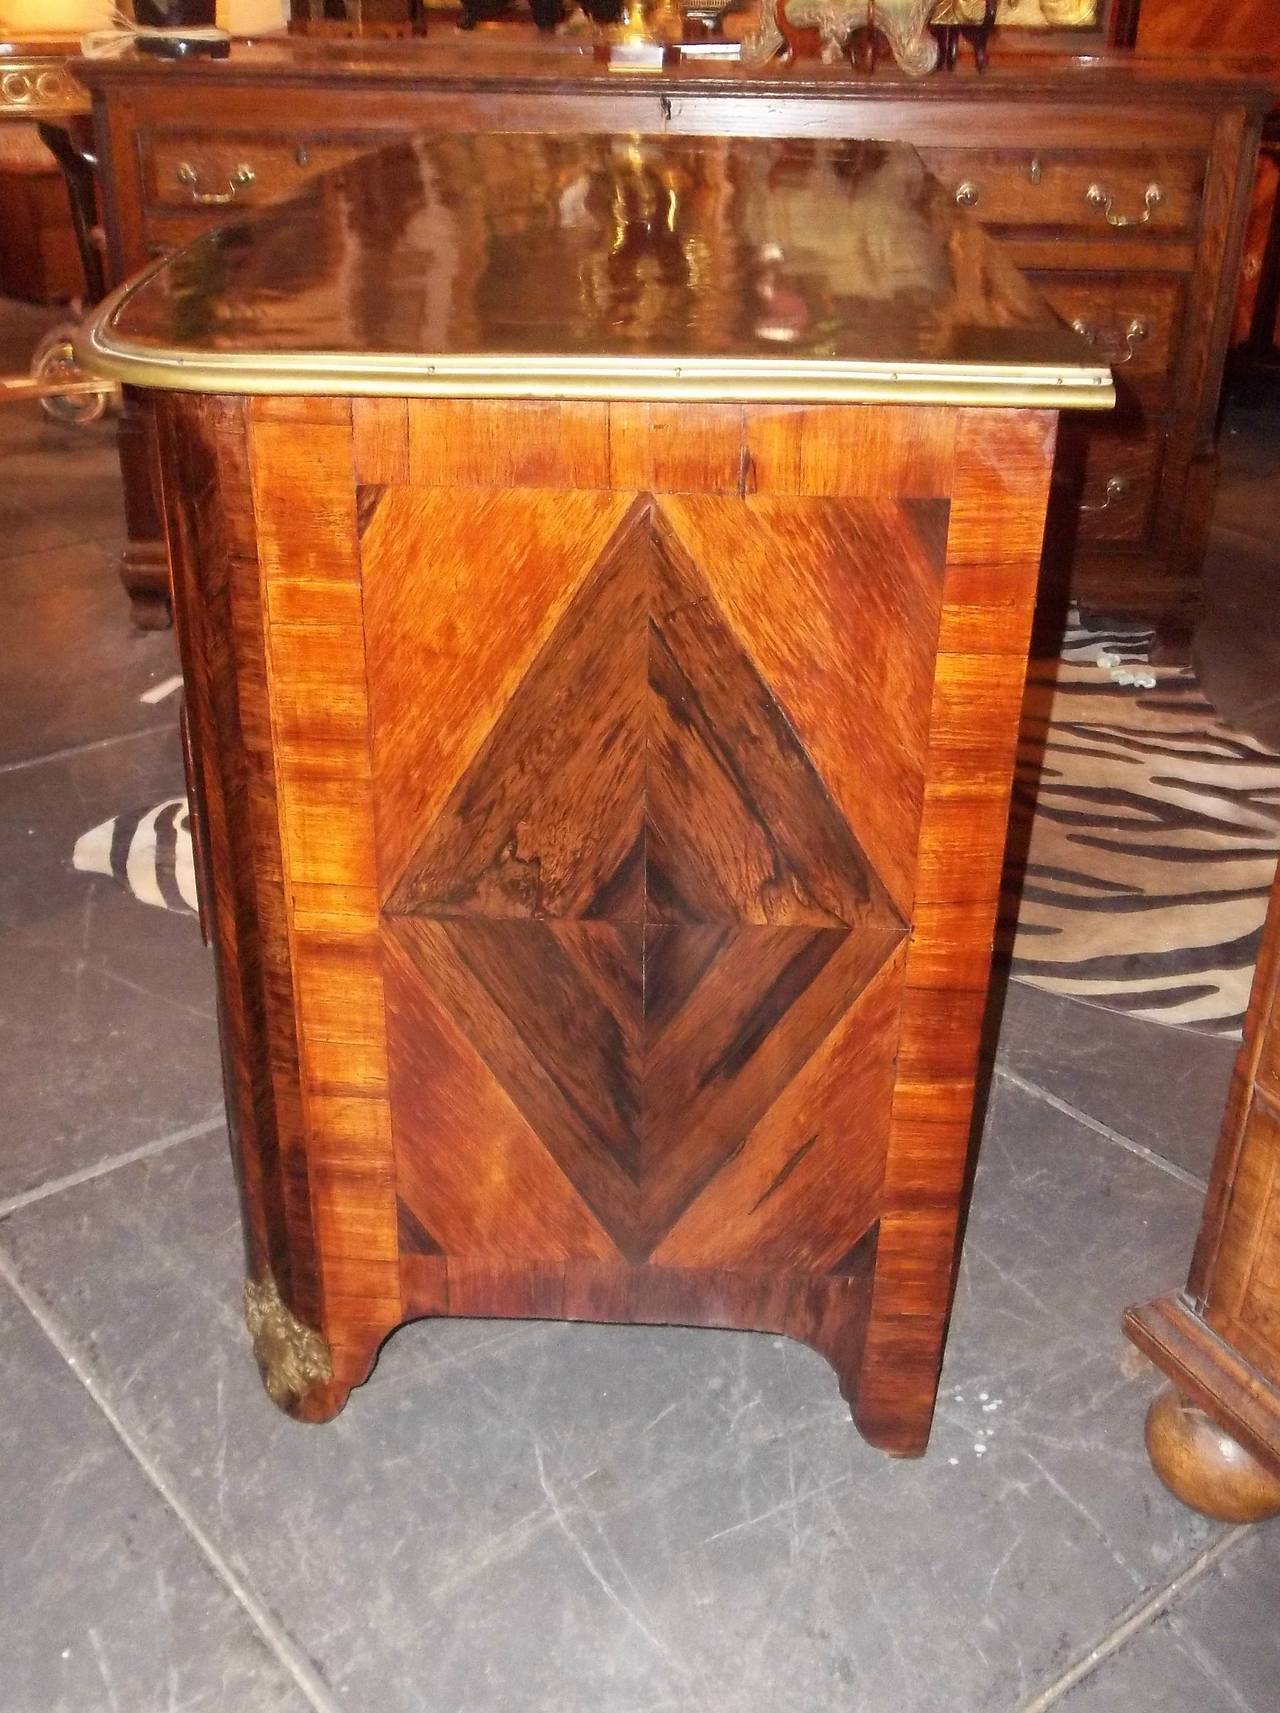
(527, 1518)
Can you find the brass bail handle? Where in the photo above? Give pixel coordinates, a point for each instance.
(239, 180)
(1117, 490)
(1118, 346)
(1100, 199)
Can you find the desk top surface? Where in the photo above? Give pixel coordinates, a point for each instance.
(505, 265)
(513, 55)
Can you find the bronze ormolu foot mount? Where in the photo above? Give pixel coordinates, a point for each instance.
(292, 1358)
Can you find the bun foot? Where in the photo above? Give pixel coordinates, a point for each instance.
(293, 1359)
(1202, 1465)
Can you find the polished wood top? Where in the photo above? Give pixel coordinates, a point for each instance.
(604, 267)
(515, 56)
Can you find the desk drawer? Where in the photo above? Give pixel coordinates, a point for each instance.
(1133, 321)
(1116, 482)
(1104, 192)
(189, 171)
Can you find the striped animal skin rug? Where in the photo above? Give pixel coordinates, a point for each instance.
(1150, 831)
(147, 851)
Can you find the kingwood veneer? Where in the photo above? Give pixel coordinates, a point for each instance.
(603, 575)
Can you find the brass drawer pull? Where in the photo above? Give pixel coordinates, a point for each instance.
(1099, 198)
(967, 194)
(1116, 346)
(240, 180)
(1118, 489)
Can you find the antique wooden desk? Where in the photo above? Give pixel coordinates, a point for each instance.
(603, 571)
(1120, 186)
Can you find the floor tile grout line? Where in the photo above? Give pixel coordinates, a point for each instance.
(84, 748)
(1135, 1619)
(112, 1163)
(273, 1634)
(1100, 1129)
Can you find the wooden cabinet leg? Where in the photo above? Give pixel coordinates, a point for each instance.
(144, 564)
(1202, 1465)
(148, 608)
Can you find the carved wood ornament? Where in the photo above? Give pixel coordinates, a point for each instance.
(903, 23)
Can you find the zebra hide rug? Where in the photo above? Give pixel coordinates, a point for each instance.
(1149, 833)
(148, 851)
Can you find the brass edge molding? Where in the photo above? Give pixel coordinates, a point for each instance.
(292, 1356)
(517, 376)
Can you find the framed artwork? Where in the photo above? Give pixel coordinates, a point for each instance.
(1051, 14)
(1066, 22)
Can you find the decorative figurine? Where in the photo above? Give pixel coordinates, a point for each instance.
(970, 20)
(904, 24)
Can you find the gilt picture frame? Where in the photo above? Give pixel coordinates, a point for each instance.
(1071, 26)
(1051, 14)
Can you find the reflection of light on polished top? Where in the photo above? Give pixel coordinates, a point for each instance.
(607, 267)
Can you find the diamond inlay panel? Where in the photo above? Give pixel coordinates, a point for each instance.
(642, 914)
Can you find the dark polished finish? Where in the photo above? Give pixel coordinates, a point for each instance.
(1240, 26)
(603, 802)
(456, 263)
(1255, 358)
(69, 145)
(1023, 145)
(1215, 1439)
